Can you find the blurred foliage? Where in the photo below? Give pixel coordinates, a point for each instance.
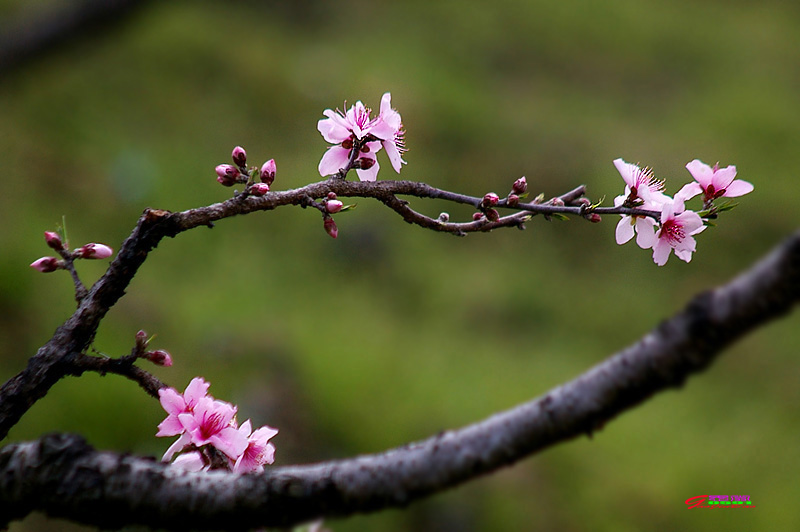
(391, 333)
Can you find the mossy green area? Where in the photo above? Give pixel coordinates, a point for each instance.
(391, 333)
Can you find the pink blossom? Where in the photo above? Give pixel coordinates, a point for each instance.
(714, 182)
(175, 404)
(94, 251)
(677, 228)
(212, 422)
(357, 128)
(389, 129)
(640, 183)
(258, 451)
(46, 264)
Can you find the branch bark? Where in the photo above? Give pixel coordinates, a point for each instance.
(63, 476)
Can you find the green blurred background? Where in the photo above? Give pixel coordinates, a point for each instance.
(391, 333)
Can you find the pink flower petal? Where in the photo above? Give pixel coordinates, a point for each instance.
(196, 390)
(334, 159)
(738, 188)
(701, 172)
(371, 174)
(624, 231)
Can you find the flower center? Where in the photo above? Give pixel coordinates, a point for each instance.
(211, 425)
(673, 231)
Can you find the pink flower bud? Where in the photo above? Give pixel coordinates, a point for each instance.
(477, 216)
(239, 156)
(520, 186)
(159, 357)
(46, 264)
(53, 240)
(258, 189)
(492, 215)
(330, 227)
(594, 218)
(268, 171)
(227, 171)
(558, 202)
(225, 181)
(331, 195)
(513, 200)
(94, 251)
(333, 206)
(490, 200)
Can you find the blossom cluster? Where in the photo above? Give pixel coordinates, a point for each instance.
(358, 137)
(676, 226)
(209, 436)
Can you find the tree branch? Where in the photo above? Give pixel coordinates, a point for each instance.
(57, 358)
(64, 477)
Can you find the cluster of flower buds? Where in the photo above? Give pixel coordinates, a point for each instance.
(239, 173)
(486, 208)
(357, 130)
(159, 357)
(54, 241)
(209, 435)
(676, 226)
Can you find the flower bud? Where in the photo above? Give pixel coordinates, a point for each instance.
(94, 251)
(159, 357)
(53, 240)
(444, 217)
(477, 216)
(520, 186)
(492, 215)
(268, 171)
(227, 171)
(331, 195)
(46, 264)
(239, 156)
(558, 202)
(594, 218)
(513, 200)
(330, 227)
(258, 189)
(333, 206)
(141, 340)
(490, 200)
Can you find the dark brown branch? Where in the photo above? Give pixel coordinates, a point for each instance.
(62, 476)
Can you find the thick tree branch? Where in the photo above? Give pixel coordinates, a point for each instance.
(62, 476)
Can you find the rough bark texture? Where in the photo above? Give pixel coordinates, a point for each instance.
(62, 476)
